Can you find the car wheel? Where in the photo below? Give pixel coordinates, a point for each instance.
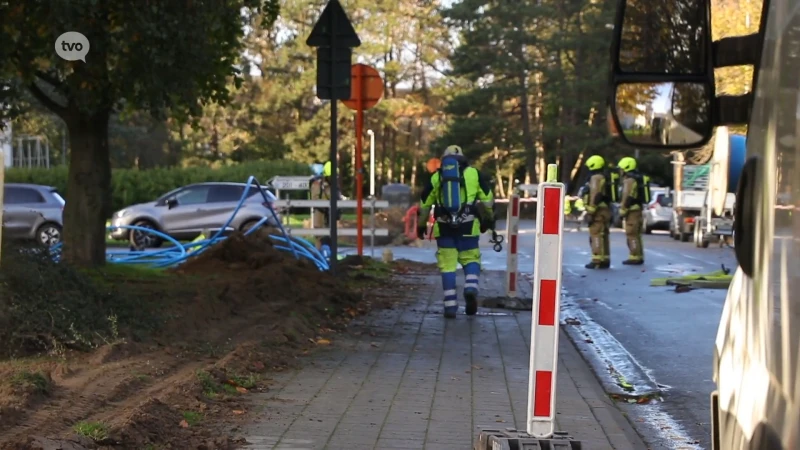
(250, 224)
(648, 229)
(698, 235)
(48, 234)
(141, 240)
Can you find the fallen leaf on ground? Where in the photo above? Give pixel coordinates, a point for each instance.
(241, 390)
(323, 342)
(184, 424)
(238, 412)
(374, 344)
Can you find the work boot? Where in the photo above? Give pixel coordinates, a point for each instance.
(450, 312)
(598, 265)
(633, 262)
(471, 297)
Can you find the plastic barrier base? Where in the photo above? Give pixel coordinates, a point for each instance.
(522, 304)
(511, 439)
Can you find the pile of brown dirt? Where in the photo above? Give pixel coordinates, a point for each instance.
(247, 274)
(242, 253)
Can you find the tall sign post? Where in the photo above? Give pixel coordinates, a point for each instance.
(367, 90)
(334, 38)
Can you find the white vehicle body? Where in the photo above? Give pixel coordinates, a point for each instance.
(758, 341)
(689, 197)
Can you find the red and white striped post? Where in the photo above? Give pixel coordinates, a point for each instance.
(512, 231)
(546, 304)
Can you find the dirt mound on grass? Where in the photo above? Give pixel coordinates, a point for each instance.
(250, 269)
(242, 253)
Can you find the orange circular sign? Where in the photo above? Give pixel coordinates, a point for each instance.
(434, 164)
(366, 87)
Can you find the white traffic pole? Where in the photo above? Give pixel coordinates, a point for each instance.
(371, 162)
(546, 307)
(512, 231)
(372, 189)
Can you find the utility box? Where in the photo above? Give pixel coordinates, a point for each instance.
(398, 195)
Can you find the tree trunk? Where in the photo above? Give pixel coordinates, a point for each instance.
(527, 133)
(381, 166)
(541, 169)
(89, 189)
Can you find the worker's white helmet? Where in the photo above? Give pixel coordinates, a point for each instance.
(453, 150)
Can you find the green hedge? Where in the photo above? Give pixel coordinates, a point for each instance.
(130, 186)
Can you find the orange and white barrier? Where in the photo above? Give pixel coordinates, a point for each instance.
(512, 233)
(546, 304)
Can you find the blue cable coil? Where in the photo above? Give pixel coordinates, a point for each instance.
(178, 253)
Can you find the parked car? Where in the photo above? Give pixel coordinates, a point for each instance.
(658, 214)
(616, 218)
(186, 212)
(32, 212)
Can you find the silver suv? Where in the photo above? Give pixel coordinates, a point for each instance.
(186, 212)
(33, 212)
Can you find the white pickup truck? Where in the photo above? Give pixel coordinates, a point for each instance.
(689, 198)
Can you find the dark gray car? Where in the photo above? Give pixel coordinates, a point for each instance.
(186, 212)
(32, 212)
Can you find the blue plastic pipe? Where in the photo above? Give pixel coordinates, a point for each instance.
(178, 253)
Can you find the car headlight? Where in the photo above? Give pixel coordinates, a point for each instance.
(121, 213)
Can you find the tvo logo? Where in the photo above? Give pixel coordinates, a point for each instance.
(72, 46)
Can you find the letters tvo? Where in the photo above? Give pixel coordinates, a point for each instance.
(66, 46)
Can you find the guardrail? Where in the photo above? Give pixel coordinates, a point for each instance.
(371, 203)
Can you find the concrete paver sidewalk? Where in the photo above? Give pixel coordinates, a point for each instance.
(413, 380)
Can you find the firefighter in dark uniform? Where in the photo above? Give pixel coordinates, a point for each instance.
(598, 211)
(635, 194)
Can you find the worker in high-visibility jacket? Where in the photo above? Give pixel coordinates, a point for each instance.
(320, 189)
(463, 202)
(635, 194)
(598, 211)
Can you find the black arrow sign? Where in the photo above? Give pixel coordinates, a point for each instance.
(333, 29)
(334, 37)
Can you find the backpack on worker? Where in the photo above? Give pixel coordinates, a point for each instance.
(612, 186)
(451, 177)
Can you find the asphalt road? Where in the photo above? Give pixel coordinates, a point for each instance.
(670, 335)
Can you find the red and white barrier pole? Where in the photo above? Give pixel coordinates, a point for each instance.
(546, 304)
(512, 231)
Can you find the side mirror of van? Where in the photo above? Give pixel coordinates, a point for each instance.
(171, 203)
(662, 77)
(667, 115)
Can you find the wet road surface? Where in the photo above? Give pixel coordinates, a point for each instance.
(669, 334)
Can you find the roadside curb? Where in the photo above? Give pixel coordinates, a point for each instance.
(618, 372)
